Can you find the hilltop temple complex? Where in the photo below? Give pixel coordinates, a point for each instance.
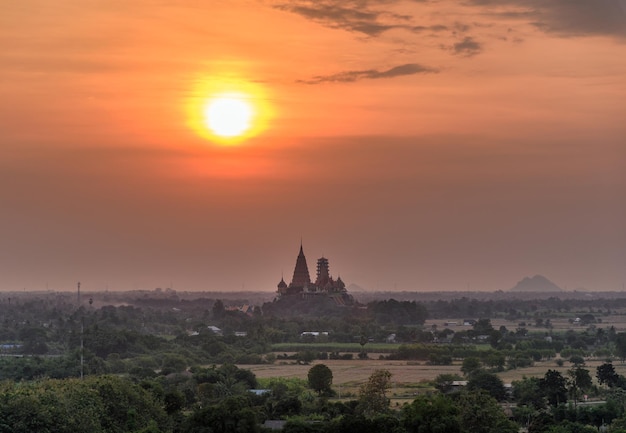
(324, 284)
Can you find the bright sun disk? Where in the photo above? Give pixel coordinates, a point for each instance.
(228, 116)
(228, 111)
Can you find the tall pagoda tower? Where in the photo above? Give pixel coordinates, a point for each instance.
(302, 287)
(323, 273)
(301, 278)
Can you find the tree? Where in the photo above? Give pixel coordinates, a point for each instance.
(218, 309)
(173, 363)
(127, 406)
(495, 337)
(297, 425)
(480, 413)
(173, 401)
(443, 382)
(306, 356)
(373, 395)
(528, 392)
(233, 414)
(398, 312)
(350, 423)
(489, 382)
(34, 340)
(95, 404)
(285, 406)
(320, 379)
(496, 360)
(579, 381)
(436, 414)
(620, 345)
(470, 365)
(587, 319)
(567, 426)
(554, 386)
(577, 360)
(606, 375)
(245, 377)
(483, 327)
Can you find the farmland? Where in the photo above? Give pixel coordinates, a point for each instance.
(201, 355)
(350, 373)
(412, 377)
(408, 378)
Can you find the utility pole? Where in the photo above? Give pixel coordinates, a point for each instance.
(82, 331)
(82, 347)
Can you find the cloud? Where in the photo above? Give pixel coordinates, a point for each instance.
(351, 76)
(350, 15)
(467, 47)
(432, 28)
(565, 18)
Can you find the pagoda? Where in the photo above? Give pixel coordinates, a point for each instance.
(301, 279)
(301, 282)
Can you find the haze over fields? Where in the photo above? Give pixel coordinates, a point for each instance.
(418, 145)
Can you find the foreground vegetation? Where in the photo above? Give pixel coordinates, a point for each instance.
(227, 399)
(159, 362)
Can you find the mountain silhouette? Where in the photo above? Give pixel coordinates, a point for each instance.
(538, 283)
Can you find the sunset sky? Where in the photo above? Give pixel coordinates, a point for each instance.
(418, 144)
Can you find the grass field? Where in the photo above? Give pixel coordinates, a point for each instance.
(560, 322)
(409, 378)
(348, 375)
(335, 347)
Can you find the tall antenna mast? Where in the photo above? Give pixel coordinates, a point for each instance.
(82, 348)
(82, 331)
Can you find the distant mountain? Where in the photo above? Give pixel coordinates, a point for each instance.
(355, 288)
(538, 283)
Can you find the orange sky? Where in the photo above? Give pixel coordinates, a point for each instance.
(419, 144)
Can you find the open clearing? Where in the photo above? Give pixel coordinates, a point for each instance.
(409, 378)
(350, 372)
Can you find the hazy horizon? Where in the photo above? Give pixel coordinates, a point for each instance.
(418, 145)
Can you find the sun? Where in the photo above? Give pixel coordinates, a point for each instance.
(228, 111)
(229, 115)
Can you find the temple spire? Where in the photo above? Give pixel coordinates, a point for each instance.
(301, 278)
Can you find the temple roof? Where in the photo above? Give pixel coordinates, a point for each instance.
(301, 276)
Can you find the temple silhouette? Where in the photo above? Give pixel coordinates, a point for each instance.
(324, 284)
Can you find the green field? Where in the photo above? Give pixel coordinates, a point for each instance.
(335, 347)
(409, 378)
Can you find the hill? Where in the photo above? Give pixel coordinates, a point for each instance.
(538, 283)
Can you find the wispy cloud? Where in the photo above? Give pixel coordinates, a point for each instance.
(467, 47)
(351, 76)
(367, 17)
(432, 28)
(564, 18)
(350, 15)
(465, 29)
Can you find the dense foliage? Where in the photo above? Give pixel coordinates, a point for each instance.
(96, 404)
(157, 362)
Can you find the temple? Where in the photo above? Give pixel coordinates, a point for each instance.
(324, 284)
